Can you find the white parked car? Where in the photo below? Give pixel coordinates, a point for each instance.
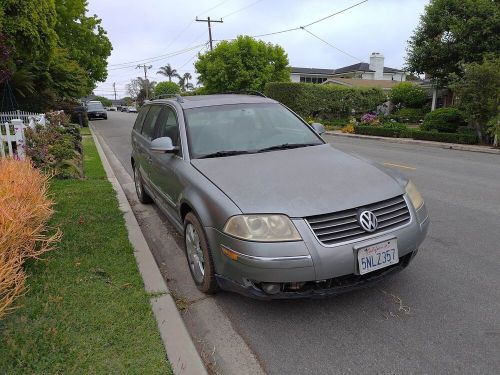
(132, 109)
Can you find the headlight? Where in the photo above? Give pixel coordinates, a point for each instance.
(264, 228)
(415, 197)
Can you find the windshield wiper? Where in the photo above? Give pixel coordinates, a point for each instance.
(286, 146)
(220, 154)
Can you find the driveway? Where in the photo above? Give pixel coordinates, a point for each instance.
(439, 316)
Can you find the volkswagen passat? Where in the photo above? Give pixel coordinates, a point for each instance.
(266, 206)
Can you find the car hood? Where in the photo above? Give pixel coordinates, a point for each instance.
(298, 182)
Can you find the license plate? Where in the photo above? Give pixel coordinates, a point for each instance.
(375, 257)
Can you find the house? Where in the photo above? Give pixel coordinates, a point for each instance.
(373, 71)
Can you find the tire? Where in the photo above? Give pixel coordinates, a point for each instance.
(139, 187)
(199, 257)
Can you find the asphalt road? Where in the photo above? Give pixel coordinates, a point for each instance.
(439, 316)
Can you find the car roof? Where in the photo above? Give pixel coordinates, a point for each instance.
(196, 101)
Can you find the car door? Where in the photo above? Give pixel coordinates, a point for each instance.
(163, 176)
(143, 142)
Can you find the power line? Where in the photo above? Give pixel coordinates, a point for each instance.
(215, 6)
(307, 25)
(145, 60)
(196, 54)
(159, 58)
(331, 45)
(241, 9)
(334, 14)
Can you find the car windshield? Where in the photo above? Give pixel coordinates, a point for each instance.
(95, 107)
(227, 130)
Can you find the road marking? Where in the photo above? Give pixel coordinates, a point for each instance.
(400, 166)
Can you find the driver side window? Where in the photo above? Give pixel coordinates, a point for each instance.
(167, 126)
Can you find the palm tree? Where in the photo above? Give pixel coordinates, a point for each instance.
(182, 83)
(187, 76)
(168, 71)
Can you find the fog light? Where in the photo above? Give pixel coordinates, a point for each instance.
(271, 288)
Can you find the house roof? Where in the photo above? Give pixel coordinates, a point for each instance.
(381, 83)
(363, 67)
(312, 70)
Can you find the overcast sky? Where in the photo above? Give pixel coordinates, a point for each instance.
(149, 30)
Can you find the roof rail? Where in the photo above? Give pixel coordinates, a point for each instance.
(247, 92)
(166, 96)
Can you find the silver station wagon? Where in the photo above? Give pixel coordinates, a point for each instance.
(266, 206)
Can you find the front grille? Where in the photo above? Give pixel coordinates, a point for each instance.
(343, 226)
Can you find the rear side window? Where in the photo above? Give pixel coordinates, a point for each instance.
(140, 118)
(149, 123)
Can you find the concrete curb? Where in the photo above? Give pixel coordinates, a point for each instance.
(452, 146)
(180, 349)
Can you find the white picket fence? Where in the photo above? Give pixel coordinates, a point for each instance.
(24, 116)
(12, 141)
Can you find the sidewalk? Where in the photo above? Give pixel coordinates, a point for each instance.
(453, 146)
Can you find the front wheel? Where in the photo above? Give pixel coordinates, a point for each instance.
(198, 255)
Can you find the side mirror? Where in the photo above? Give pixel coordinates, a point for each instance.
(163, 145)
(318, 128)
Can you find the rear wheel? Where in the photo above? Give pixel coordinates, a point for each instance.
(198, 255)
(139, 187)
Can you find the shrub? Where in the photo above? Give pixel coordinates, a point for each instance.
(348, 129)
(411, 115)
(446, 120)
(165, 88)
(55, 149)
(408, 94)
(24, 212)
(326, 102)
(469, 139)
(369, 119)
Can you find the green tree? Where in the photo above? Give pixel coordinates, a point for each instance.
(166, 87)
(242, 64)
(477, 91)
(105, 101)
(168, 71)
(137, 88)
(451, 32)
(51, 52)
(408, 95)
(83, 37)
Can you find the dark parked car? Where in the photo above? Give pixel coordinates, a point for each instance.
(266, 206)
(96, 110)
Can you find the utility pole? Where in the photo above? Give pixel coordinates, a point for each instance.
(146, 67)
(208, 20)
(114, 88)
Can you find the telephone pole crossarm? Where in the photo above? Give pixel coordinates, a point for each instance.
(209, 21)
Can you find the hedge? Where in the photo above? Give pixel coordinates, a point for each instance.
(325, 102)
(383, 132)
(468, 139)
(417, 134)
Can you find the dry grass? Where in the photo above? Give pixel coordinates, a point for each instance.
(25, 209)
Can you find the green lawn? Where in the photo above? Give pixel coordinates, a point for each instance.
(86, 311)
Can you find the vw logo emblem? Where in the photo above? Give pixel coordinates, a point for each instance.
(368, 221)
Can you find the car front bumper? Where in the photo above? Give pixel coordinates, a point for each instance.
(324, 270)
